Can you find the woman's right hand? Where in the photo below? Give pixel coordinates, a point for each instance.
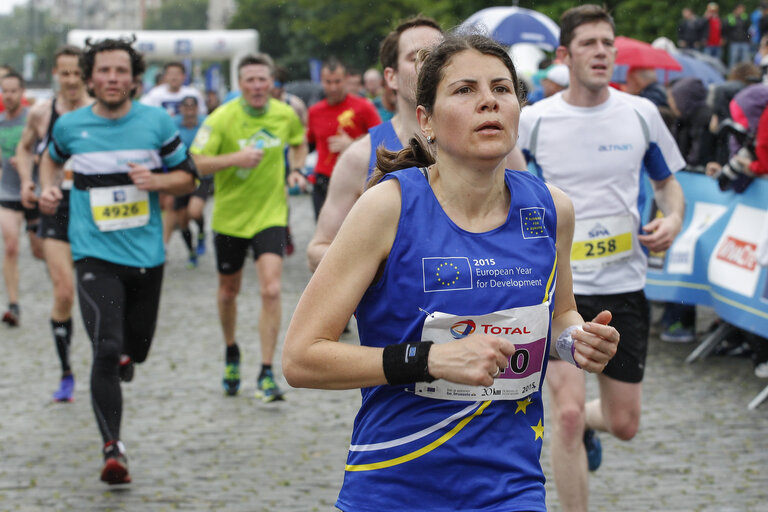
(474, 360)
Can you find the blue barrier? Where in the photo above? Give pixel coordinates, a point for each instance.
(713, 261)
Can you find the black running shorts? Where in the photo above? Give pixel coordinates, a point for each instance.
(231, 251)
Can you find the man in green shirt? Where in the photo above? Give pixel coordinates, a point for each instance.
(242, 143)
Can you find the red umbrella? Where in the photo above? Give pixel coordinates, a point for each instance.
(637, 54)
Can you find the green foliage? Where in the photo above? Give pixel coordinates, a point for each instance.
(178, 15)
(293, 31)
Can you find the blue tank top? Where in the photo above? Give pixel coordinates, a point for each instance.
(383, 133)
(442, 446)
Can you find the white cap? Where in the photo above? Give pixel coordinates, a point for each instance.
(558, 74)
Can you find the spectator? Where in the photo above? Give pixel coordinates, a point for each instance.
(643, 82)
(689, 30)
(741, 75)
(713, 31)
(737, 32)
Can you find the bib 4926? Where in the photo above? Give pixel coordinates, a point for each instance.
(120, 207)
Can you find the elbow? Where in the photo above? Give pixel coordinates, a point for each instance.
(292, 371)
(313, 260)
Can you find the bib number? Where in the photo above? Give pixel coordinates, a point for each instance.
(121, 207)
(527, 327)
(601, 242)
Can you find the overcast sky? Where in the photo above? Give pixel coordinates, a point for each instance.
(6, 6)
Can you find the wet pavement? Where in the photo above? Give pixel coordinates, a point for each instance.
(191, 448)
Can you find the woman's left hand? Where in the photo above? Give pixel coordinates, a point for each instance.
(596, 344)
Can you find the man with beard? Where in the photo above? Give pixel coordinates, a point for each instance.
(115, 228)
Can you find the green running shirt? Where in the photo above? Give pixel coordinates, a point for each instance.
(248, 201)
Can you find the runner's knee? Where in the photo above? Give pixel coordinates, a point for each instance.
(270, 292)
(569, 421)
(624, 424)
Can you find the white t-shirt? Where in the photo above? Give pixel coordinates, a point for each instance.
(161, 97)
(595, 155)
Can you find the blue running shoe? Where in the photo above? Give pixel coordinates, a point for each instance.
(66, 389)
(231, 380)
(594, 449)
(267, 388)
(192, 261)
(200, 249)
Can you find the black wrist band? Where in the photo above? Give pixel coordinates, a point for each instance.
(406, 363)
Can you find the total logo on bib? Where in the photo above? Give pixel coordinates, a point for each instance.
(527, 327)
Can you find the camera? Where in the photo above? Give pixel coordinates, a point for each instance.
(733, 175)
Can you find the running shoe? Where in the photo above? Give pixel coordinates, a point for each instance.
(761, 370)
(66, 389)
(192, 261)
(594, 449)
(11, 317)
(200, 249)
(267, 388)
(678, 333)
(126, 368)
(115, 469)
(231, 380)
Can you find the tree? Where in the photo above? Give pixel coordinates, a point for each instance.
(176, 15)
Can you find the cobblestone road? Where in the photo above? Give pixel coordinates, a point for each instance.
(192, 449)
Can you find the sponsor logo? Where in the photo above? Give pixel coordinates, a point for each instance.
(119, 196)
(738, 252)
(495, 329)
(88, 276)
(462, 329)
(599, 230)
(614, 147)
(532, 222)
(183, 47)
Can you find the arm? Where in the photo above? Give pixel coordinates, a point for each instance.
(346, 186)
(176, 182)
(313, 357)
(596, 344)
(297, 156)
(669, 197)
(247, 158)
(25, 159)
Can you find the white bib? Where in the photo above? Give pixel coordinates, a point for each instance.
(601, 241)
(120, 207)
(526, 327)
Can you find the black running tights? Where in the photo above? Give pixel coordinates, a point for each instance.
(119, 305)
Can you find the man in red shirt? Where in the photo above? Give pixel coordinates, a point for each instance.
(334, 123)
(713, 32)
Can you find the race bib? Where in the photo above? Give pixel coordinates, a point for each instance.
(526, 327)
(121, 207)
(601, 241)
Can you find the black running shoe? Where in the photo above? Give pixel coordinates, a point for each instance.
(126, 368)
(115, 469)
